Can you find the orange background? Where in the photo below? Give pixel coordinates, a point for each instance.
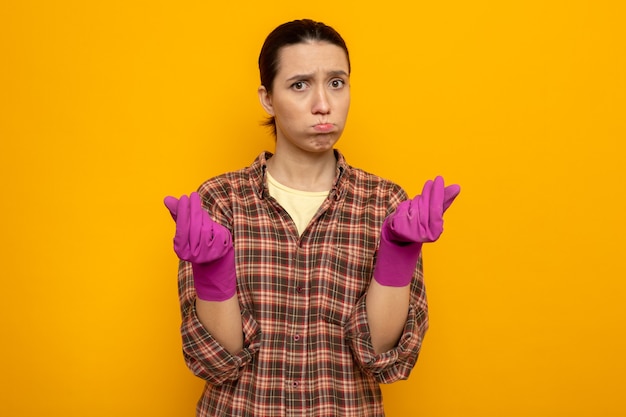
(108, 106)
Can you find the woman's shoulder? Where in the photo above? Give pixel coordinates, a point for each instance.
(364, 180)
(243, 180)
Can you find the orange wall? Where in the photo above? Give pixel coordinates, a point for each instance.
(107, 106)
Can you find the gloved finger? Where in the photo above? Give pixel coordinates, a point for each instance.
(450, 194)
(424, 211)
(400, 220)
(435, 226)
(209, 246)
(220, 238)
(181, 238)
(172, 205)
(196, 214)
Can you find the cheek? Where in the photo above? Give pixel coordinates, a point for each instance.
(345, 106)
(283, 113)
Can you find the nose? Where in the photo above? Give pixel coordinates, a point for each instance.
(321, 104)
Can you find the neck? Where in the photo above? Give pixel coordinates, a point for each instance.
(307, 172)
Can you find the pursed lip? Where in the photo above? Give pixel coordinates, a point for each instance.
(324, 127)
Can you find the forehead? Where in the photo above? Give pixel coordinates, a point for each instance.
(311, 57)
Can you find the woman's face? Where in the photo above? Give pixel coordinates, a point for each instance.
(310, 96)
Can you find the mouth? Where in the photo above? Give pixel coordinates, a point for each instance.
(324, 127)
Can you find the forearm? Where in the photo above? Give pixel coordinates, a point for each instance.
(223, 320)
(413, 223)
(387, 311)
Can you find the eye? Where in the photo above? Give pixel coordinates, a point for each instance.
(337, 83)
(298, 85)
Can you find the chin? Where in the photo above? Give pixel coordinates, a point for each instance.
(325, 142)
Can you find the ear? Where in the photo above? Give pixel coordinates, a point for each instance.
(266, 100)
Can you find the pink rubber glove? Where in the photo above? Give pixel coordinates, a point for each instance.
(414, 222)
(207, 245)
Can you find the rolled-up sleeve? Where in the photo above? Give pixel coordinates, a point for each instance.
(397, 363)
(204, 356)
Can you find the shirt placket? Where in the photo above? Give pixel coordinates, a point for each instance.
(297, 384)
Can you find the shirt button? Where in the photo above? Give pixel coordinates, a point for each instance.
(299, 289)
(295, 384)
(296, 337)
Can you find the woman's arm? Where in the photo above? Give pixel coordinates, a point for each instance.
(387, 311)
(223, 320)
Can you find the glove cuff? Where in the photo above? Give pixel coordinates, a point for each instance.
(216, 280)
(396, 261)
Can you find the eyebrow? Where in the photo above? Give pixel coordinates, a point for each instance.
(335, 73)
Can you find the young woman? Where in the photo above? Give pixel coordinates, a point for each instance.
(300, 279)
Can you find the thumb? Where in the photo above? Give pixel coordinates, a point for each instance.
(449, 194)
(172, 205)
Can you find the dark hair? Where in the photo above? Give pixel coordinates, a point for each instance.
(291, 33)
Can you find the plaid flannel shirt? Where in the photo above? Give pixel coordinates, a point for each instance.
(307, 347)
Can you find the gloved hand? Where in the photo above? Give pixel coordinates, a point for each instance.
(414, 222)
(207, 245)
